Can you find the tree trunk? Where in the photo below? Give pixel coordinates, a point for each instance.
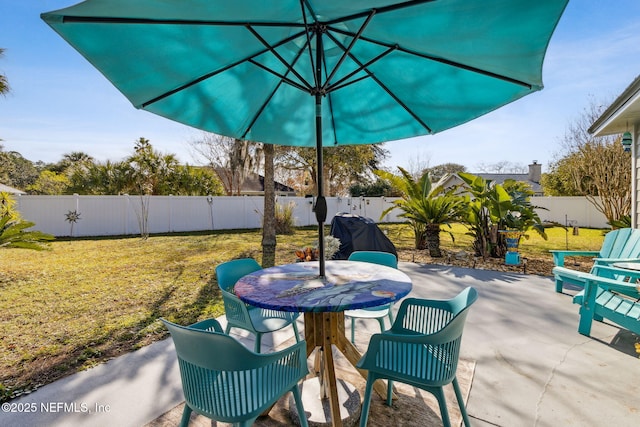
(432, 234)
(269, 218)
(498, 245)
(420, 236)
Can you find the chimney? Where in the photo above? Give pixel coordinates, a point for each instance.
(535, 172)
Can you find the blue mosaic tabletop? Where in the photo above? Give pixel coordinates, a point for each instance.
(347, 285)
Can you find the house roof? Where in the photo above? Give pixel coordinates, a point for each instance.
(252, 184)
(7, 189)
(499, 178)
(622, 113)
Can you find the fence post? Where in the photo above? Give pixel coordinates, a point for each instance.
(171, 198)
(127, 213)
(210, 203)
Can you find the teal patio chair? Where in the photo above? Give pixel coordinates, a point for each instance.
(421, 349)
(379, 312)
(225, 381)
(256, 320)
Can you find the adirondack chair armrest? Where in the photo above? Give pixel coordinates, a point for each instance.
(564, 271)
(593, 281)
(609, 261)
(559, 255)
(564, 276)
(609, 271)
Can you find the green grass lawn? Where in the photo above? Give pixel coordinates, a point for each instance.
(88, 300)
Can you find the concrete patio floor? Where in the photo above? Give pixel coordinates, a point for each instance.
(533, 367)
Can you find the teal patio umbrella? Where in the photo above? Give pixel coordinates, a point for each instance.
(315, 73)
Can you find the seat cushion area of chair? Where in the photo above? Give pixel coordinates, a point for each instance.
(268, 324)
(367, 314)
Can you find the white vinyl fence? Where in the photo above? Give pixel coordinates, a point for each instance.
(570, 211)
(121, 215)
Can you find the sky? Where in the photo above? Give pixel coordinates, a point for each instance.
(59, 103)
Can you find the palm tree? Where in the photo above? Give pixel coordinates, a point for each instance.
(13, 232)
(495, 207)
(4, 83)
(426, 208)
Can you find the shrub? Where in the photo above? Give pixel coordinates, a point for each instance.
(285, 222)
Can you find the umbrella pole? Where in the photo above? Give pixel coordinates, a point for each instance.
(320, 207)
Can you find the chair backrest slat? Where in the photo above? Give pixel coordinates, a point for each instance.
(227, 382)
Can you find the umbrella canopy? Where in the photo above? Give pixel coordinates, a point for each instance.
(315, 72)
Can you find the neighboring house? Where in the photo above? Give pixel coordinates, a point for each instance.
(532, 178)
(11, 190)
(253, 184)
(623, 117)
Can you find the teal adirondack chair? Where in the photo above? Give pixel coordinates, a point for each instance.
(379, 312)
(421, 349)
(621, 245)
(256, 320)
(225, 381)
(617, 299)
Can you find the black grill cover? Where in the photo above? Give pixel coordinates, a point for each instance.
(357, 233)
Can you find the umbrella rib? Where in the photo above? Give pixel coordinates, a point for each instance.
(280, 76)
(285, 79)
(260, 110)
(385, 88)
(469, 68)
(120, 20)
(279, 57)
(441, 60)
(341, 83)
(333, 119)
(394, 96)
(191, 83)
(335, 87)
(218, 71)
(308, 46)
(347, 51)
(378, 10)
(123, 20)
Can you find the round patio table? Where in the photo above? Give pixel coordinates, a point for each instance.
(347, 285)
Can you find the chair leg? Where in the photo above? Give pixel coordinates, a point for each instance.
(298, 399)
(227, 329)
(364, 413)
(389, 392)
(381, 322)
(295, 330)
(258, 345)
(353, 328)
(463, 409)
(586, 318)
(186, 415)
(439, 394)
